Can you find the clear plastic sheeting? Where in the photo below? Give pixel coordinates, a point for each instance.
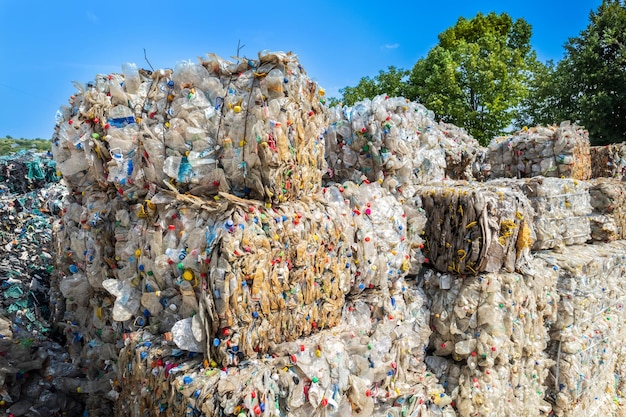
(475, 228)
(490, 334)
(251, 128)
(608, 199)
(587, 337)
(396, 142)
(562, 209)
(369, 365)
(609, 161)
(548, 151)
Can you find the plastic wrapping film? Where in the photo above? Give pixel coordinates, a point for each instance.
(251, 128)
(490, 333)
(587, 337)
(608, 199)
(547, 151)
(562, 209)
(371, 364)
(608, 161)
(397, 142)
(473, 227)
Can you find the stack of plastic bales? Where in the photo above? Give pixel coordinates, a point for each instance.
(542, 151)
(608, 161)
(489, 339)
(198, 234)
(587, 337)
(397, 142)
(369, 365)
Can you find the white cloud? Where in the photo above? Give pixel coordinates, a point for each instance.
(392, 46)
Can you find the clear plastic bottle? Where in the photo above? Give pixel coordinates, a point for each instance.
(131, 77)
(170, 241)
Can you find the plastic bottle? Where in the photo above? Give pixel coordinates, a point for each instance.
(132, 81)
(126, 301)
(274, 82)
(171, 166)
(170, 241)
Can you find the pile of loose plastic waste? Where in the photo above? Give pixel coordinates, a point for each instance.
(25, 171)
(32, 358)
(542, 151)
(608, 161)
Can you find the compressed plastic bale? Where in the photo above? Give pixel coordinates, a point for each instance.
(490, 318)
(323, 374)
(475, 228)
(251, 128)
(490, 333)
(548, 151)
(587, 335)
(562, 209)
(395, 141)
(608, 199)
(375, 221)
(608, 161)
(465, 158)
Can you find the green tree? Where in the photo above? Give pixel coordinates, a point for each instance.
(588, 86)
(391, 82)
(477, 75)
(541, 105)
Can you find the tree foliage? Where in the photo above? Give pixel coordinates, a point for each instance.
(391, 82)
(588, 86)
(476, 76)
(9, 145)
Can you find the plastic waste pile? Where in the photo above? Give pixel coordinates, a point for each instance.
(31, 355)
(608, 161)
(25, 171)
(562, 209)
(251, 128)
(588, 336)
(474, 227)
(608, 199)
(542, 151)
(490, 334)
(398, 143)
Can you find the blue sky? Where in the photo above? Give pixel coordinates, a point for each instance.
(46, 45)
